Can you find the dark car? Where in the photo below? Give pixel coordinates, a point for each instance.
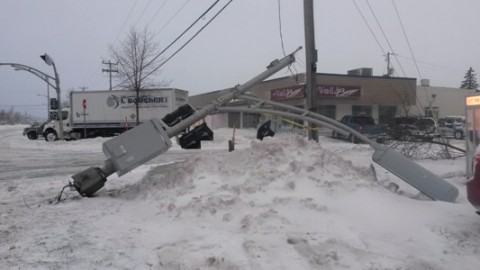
(363, 124)
(32, 132)
(413, 128)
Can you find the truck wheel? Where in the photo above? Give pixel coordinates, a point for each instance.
(458, 135)
(51, 136)
(32, 135)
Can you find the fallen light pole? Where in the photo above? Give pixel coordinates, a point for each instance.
(150, 139)
(420, 178)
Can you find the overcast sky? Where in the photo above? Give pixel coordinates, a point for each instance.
(237, 45)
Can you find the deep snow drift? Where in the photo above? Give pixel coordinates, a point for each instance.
(283, 203)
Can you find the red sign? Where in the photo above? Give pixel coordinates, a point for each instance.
(323, 90)
(84, 103)
(338, 91)
(287, 93)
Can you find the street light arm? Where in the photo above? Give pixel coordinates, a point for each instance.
(42, 75)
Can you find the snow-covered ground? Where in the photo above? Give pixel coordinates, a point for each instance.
(283, 203)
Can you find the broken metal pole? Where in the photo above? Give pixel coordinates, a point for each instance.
(152, 138)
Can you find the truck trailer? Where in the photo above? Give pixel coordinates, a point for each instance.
(109, 113)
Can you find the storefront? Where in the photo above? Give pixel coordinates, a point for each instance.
(337, 95)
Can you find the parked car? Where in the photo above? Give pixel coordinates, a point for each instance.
(364, 124)
(34, 131)
(413, 128)
(452, 126)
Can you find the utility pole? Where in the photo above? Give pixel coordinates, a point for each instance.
(311, 64)
(110, 70)
(83, 88)
(389, 70)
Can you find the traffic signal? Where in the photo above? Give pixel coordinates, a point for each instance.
(53, 104)
(264, 131)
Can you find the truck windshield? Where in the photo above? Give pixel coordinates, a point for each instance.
(53, 115)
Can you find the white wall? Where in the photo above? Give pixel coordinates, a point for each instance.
(450, 101)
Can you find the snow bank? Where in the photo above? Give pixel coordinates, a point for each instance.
(283, 203)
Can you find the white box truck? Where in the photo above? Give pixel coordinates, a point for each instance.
(108, 113)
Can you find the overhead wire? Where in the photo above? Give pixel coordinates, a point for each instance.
(375, 37)
(126, 20)
(120, 31)
(410, 48)
(188, 41)
(369, 28)
(183, 33)
(157, 12)
(173, 42)
(430, 64)
(385, 37)
(281, 40)
(173, 17)
(143, 12)
(406, 38)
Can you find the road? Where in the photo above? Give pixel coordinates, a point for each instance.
(21, 158)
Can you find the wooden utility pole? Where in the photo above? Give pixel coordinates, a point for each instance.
(110, 70)
(389, 69)
(311, 64)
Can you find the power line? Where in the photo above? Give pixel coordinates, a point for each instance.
(185, 44)
(119, 32)
(156, 12)
(173, 17)
(409, 46)
(406, 38)
(126, 19)
(183, 33)
(173, 42)
(188, 41)
(386, 38)
(280, 26)
(369, 28)
(143, 12)
(432, 65)
(281, 39)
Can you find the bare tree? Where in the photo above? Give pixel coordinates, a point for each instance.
(139, 60)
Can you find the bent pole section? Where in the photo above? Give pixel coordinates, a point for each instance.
(407, 170)
(152, 138)
(230, 94)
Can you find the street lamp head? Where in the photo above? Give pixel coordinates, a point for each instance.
(48, 60)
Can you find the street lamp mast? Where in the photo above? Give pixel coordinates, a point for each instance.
(49, 61)
(45, 77)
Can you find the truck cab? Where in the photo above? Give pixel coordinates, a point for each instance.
(50, 129)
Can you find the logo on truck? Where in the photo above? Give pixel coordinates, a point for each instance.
(114, 101)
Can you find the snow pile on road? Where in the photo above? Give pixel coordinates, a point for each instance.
(283, 203)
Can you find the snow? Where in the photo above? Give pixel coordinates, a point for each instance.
(280, 203)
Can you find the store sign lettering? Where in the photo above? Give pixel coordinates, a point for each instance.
(287, 93)
(338, 91)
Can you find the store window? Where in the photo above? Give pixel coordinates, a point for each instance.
(327, 110)
(361, 110)
(250, 120)
(234, 120)
(386, 113)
